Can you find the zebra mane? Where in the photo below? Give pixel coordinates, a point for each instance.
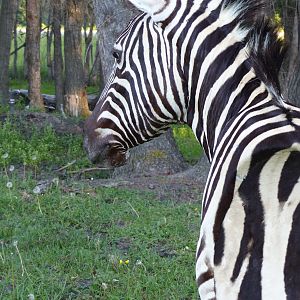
(266, 52)
(247, 11)
(266, 49)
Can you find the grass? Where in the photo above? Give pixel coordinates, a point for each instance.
(39, 148)
(78, 242)
(95, 246)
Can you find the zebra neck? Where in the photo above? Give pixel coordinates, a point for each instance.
(227, 92)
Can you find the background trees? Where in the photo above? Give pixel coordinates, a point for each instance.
(75, 92)
(67, 30)
(7, 21)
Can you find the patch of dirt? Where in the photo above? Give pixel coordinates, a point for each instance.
(170, 187)
(29, 120)
(124, 244)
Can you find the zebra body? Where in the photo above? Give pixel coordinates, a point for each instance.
(213, 65)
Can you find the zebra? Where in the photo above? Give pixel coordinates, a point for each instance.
(214, 64)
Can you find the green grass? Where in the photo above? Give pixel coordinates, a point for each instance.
(69, 242)
(39, 148)
(43, 148)
(72, 250)
(187, 143)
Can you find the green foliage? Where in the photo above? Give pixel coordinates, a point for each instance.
(187, 143)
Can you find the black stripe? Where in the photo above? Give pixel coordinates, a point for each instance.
(292, 260)
(289, 176)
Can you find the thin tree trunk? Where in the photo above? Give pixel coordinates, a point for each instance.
(7, 21)
(15, 64)
(25, 66)
(76, 103)
(88, 38)
(49, 44)
(33, 37)
(58, 56)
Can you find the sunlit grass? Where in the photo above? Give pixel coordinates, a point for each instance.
(187, 143)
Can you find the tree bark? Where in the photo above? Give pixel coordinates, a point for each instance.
(291, 70)
(58, 56)
(160, 156)
(7, 21)
(33, 38)
(49, 44)
(111, 16)
(76, 103)
(15, 63)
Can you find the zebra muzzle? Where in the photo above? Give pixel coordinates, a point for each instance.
(105, 154)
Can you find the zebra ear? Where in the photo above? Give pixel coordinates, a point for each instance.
(157, 9)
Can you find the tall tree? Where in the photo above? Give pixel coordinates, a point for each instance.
(76, 103)
(7, 21)
(33, 38)
(160, 156)
(15, 34)
(58, 56)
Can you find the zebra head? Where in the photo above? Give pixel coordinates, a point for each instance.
(144, 93)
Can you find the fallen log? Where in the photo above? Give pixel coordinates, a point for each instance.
(49, 100)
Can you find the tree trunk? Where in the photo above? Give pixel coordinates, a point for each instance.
(76, 103)
(111, 18)
(88, 38)
(160, 156)
(33, 38)
(15, 63)
(49, 44)
(7, 21)
(292, 79)
(58, 56)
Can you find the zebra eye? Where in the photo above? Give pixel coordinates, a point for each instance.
(117, 56)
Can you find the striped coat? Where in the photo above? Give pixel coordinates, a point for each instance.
(213, 64)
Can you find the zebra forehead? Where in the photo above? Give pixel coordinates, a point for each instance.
(151, 6)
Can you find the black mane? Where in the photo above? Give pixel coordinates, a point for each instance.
(266, 49)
